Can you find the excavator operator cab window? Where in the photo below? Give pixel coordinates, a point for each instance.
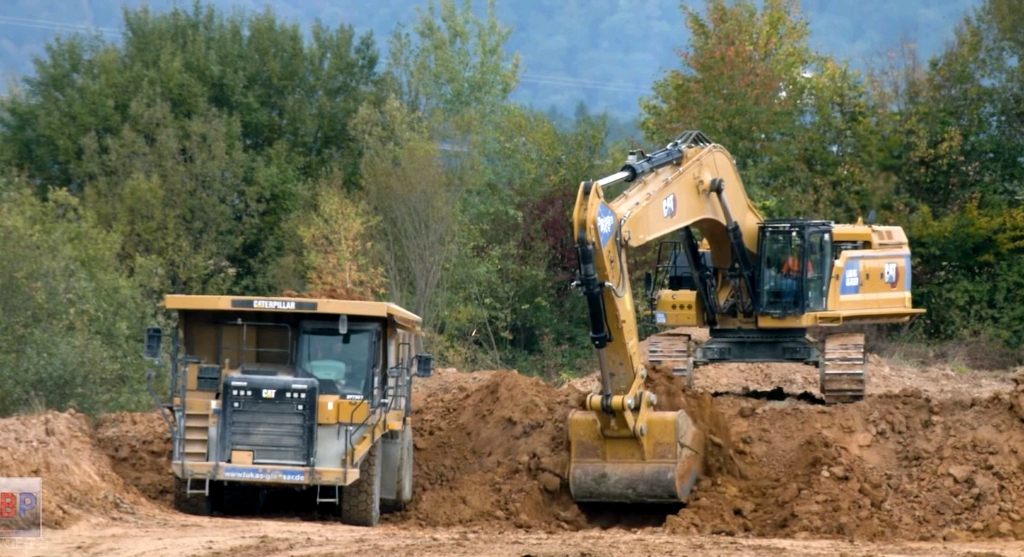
(795, 263)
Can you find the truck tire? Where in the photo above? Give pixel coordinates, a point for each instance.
(403, 479)
(360, 501)
(195, 504)
(404, 488)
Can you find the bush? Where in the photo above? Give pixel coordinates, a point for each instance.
(72, 327)
(969, 272)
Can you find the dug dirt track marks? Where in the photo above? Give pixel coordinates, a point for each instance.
(929, 464)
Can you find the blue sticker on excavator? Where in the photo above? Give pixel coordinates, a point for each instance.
(851, 278)
(605, 223)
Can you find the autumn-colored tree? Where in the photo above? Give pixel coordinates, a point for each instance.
(798, 124)
(742, 79)
(339, 254)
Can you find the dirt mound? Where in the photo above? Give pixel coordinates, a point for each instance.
(491, 448)
(139, 447)
(898, 466)
(78, 480)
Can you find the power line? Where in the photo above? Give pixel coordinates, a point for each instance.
(53, 25)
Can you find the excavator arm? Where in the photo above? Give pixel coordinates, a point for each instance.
(622, 450)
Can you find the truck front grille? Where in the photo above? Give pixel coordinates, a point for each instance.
(267, 416)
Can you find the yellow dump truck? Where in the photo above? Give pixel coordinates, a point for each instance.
(311, 395)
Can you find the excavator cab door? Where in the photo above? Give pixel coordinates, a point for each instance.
(794, 267)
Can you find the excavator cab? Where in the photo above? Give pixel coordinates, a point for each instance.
(796, 260)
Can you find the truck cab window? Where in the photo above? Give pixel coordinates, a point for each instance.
(342, 363)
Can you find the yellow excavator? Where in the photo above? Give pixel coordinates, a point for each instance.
(758, 285)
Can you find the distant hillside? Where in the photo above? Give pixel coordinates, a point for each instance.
(605, 53)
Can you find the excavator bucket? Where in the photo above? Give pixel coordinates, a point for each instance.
(660, 466)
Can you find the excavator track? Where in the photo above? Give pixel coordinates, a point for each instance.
(672, 350)
(843, 368)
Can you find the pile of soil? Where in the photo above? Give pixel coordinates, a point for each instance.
(491, 448)
(898, 466)
(139, 448)
(77, 478)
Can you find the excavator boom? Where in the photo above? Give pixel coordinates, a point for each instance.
(622, 450)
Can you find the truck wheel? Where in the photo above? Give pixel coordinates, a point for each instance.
(360, 501)
(196, 504)
(403, 480)
(404, 488)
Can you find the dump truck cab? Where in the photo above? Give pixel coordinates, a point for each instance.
(307, 394)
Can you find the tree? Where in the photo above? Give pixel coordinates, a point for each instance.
(453, 69)
(510, 293)
(797, 123)
(195, 137)
(339, 254)
(71, 335)
(183, 197)
(416, 199)
(964, 131)
(743, 76)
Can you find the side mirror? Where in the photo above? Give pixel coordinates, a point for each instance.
(871, 217)
(423, 363)
(648, 283)
(154, 335)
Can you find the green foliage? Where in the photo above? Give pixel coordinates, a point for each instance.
(71, 335)
(800, 126)
(963, 127)
(417, 200)
(453, 69)
(510, 290)
(193, 139)
(175, 191)
(969, 271)
(212, 154)
(283, 90)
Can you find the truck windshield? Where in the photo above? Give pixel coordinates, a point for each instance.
(338, 361)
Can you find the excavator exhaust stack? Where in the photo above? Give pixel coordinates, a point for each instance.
(660, 464)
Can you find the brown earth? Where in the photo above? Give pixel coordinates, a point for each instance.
(907, 464)
(78, 480)
(491, 447)
(139, 448)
